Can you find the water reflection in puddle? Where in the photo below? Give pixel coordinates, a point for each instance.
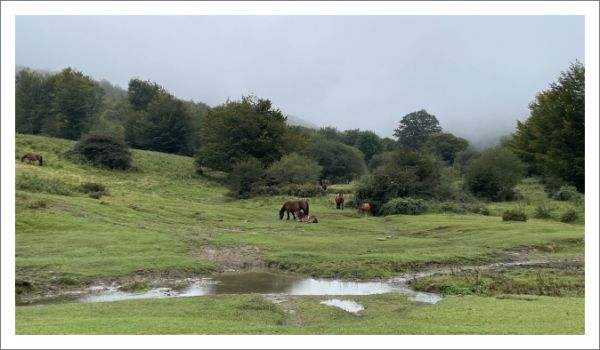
(263, 282)
(346, 305)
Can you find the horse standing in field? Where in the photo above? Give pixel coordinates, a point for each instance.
(311, 219)
(293, 207)
(323, 183)
(364, 208)
(33, 158)
(339, 200)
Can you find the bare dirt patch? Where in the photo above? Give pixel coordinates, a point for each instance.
(230, 258)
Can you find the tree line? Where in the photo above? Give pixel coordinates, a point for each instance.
(250, 140)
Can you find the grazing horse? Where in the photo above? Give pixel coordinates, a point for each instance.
(311, 219)
(339, 200)
(293, 207)
(364, 208)
(323, 183)
(33, 158)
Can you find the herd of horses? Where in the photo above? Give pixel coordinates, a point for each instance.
(300, 209)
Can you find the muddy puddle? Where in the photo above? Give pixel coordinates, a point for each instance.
(280, 284)
(248, 282)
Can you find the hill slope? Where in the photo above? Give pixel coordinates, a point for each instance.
(163, 218)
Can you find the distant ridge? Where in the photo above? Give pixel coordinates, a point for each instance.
(293, 120)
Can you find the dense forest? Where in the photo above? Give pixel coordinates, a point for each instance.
(263, 154)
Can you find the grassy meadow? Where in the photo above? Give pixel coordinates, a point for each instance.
(162, 219)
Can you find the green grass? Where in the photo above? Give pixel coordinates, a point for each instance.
(249, 314)
(154, 219)
(534, 196)
(551, 282)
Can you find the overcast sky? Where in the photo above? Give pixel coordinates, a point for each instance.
(476, 74)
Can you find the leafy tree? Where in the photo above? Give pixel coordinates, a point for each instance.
(113, 111)
(388, 144)
(366, 141)
(141, 93)
(33, 94)
(403, 173)
(462, 158)
(237, 130)
(331, 133)
(552, 140)
(294, 169)
(75, 101)
(163, 126)
(445, 146)
(340, 162)
(296, 140)
(196, 111)
(104, 150)
(494, 174)
(415, 127)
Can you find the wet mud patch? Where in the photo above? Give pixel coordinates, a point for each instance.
(229, 258)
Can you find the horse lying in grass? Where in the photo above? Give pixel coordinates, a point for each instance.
(311, 219)
(33, 158)
(293, 207)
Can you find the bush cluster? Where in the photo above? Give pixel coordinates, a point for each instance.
(103, 150)
(94, 190)
(463, 208)
(542, 212)
(569, 216)
(407, 205)
(566, 193)
(514, 215)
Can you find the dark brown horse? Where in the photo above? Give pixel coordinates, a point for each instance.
(32, 158)
(339, 200)
(311, 219)
(293, 207)
(324, 183)
(364, 208)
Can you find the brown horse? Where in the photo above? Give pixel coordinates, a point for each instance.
(364, 208)
(311, 219)
(293, 207)
(324, 183)
(33, 158)
(339, 200)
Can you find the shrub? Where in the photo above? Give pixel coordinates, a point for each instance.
(514, 215)
(452, 207)
(480, 209)
(94, 190)
(95, 195)
(494, 174)
(408, 206)
(542, 212)
(246, 178)
(88, 187)
(300, 190)
(569, 216)
(103, 150)
(403, 174)
(566, 193)
(294, 169)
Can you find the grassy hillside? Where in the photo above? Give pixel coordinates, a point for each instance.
(163, 219)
